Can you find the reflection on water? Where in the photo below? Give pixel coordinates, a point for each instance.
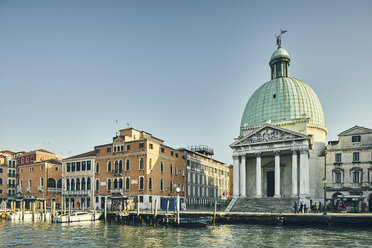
(97, 234)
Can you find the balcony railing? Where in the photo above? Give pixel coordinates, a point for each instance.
(11, 185)
(49, 189)
(11, 175)
(117, 172)
(116, 191)
(76, 192)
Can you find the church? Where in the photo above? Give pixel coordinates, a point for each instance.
(278, 157)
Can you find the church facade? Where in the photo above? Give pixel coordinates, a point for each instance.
(279, 155)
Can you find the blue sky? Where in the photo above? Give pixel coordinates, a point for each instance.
(181, 70)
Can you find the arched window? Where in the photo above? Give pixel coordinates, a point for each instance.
(150, 183)
(116, 167)
(97, 168)
(142, 164)
(51, 183)
(127, 183)
(115, 183)
(171, 169)
(72, 184)
(120, 183)
(109, 166)
(68, 184)
(59, 183)
(78, 184)
(88, 183)
(97, 185)
(83, 184)
(141, 183)
(121, 166)
(161, 185)
(161, 166)
(109, 184)
(127, 165)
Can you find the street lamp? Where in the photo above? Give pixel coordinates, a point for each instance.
(325, 185)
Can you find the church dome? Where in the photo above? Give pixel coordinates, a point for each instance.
(283, 99)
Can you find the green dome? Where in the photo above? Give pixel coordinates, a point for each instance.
(279, 53)
(283, 99)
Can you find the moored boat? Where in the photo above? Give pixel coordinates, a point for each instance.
(76, 217)
(195, 222)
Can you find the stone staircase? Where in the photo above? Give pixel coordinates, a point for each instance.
(265, 204)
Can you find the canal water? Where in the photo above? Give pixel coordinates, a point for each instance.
(97, 234)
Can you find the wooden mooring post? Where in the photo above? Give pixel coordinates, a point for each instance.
(69, 212)
(105, 210)
(23, 210)
(33, 211)
(214, 213)
(138, 205)
(45, 210)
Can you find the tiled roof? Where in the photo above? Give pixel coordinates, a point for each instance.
(82, 155)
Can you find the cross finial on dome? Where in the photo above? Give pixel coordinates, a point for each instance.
(279, 38)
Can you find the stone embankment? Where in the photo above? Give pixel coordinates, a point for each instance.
(284, 219)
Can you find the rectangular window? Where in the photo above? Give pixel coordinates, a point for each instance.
(356, 177)
(355, 156)
(97, 151)
(176, 155)
(114, 148)
(172, 153)
(171, 186)
(162, 150)
(141, 145)
(355, 138)
(151, 146)
(161, 185)
(108, 149)
(73, 166)
(338, 157)
(141, 198)
(78, 166)
(83, 166)
(128, 147)
(26, 159)
(88, 165)
(337, 177)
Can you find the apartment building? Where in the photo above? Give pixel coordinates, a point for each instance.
(137, 164)
(207, 178)
(78, 180)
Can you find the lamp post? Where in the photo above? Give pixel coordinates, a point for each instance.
(178, 205)
(325, 184)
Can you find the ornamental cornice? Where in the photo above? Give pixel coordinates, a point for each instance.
(242, 151)
(126, 155)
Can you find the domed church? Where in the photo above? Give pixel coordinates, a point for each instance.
(279, 154)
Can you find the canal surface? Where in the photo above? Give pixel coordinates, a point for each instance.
(97, 234)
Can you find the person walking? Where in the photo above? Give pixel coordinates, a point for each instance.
(301, 207)
(295, 207)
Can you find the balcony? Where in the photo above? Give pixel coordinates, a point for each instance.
(11, 175)
(40, 188)
(49, 189)
(77, 192)
(117, 172)
(11, 185)
(117, 191)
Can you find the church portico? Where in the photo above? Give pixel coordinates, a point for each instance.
(269, 167)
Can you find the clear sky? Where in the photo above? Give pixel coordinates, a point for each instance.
(181, 70)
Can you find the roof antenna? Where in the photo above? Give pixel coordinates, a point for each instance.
(116, 128)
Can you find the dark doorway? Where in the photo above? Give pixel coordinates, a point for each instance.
(102, 202)
(270, 180)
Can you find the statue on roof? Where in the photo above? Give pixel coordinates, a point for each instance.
(279, 38)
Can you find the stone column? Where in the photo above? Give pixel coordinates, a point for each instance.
(236, 176)
(294, 173)
(242, 177)
(277, 174)
(258, 175)
(304, 172)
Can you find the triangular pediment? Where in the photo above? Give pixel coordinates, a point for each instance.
(356, 130)
(269, 134)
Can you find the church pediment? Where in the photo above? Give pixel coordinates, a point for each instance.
(269, 134)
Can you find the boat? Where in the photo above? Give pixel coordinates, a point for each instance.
(3, 214)
(76, 217)
(195, 222)
(27, 216)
